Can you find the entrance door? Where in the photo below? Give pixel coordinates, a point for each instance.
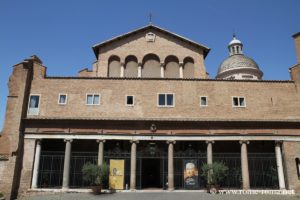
(151, 173)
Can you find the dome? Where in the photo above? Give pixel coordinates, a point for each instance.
(237, 61)
(237, 65)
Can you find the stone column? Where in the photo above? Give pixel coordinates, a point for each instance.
(162, 70)
(66, 173)
(181, 70)
(209, 153)
(279, 165)
(36, 165)
(244, 162)
(133, 165)
(140, 70)
(122, 69)
(100, 151)
(171, 165)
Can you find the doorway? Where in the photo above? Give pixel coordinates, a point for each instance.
(151, 173)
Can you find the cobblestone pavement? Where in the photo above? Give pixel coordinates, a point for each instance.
(158, 196)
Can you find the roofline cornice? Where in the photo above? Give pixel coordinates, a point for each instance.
(198, 45)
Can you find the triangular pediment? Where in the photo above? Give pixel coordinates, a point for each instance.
(150, 29)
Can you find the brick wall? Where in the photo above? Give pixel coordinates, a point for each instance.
(264, 100)
(163, 46)
(291, 151)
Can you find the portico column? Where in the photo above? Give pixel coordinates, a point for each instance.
(122, 69)
(181, 70)
(66, 173)
(279, 165)
(162, 70)
(140, 70)
(100, 151)
(171, 165)
(209, 157)
(209, 152)
(36, 164)
(244, 162)
(133, 165)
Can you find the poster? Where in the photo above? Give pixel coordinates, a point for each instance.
(190, 174)
(116, 174)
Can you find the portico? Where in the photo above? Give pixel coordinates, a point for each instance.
(169, 151)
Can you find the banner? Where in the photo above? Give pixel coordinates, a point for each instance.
(190, 174)
(116, 174)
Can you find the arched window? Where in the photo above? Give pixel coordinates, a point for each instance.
(131, 66)
(188, 67)
(172, 67)
(114, 66)
(151, 66)
(298, 167)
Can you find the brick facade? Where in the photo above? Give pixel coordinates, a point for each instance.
(272, 107)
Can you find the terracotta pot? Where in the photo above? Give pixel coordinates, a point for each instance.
(96, 189)
(213, 189)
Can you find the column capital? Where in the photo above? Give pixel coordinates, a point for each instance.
(100, 141)
(68, 140)
(278, 142)
(171, 142)
(134, 141)
(181, 64)
(122, 63)
(162, 64)
(244, 142)
(209, 141)
(140, 64)
(38, 141)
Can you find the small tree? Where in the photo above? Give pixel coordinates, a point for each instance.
(94, 174)
(214, 173)
(104, 172)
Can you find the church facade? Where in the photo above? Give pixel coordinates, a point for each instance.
(148, 101)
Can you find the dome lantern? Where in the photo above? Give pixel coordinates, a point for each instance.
(235, 46)
(237, 65)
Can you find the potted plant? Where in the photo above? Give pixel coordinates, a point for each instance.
(214, 174)
(1, 196)
(95, 175)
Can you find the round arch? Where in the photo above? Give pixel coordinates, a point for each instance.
(171, 67)
(151, 66)
(114, 66)
(188, 67)
(131, 66)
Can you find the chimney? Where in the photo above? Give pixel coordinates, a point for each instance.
(297, 43)
(295, 70)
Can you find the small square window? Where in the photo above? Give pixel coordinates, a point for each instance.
(166, 100)
(169, 99)
(203, 101)
(129, 100)
(33, 105)
(161, 100)
(238, 102)
(92, 99)
(62, 99)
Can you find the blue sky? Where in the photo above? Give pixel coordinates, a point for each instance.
(62, 33)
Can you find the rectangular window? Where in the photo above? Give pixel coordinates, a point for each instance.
(203, 101)
(238, 102)
(166, 100)
(129, 100)
(93, 99)
(62, 99)
(34, 103)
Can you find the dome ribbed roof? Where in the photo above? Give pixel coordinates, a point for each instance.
(234, 41)
(237, 61)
